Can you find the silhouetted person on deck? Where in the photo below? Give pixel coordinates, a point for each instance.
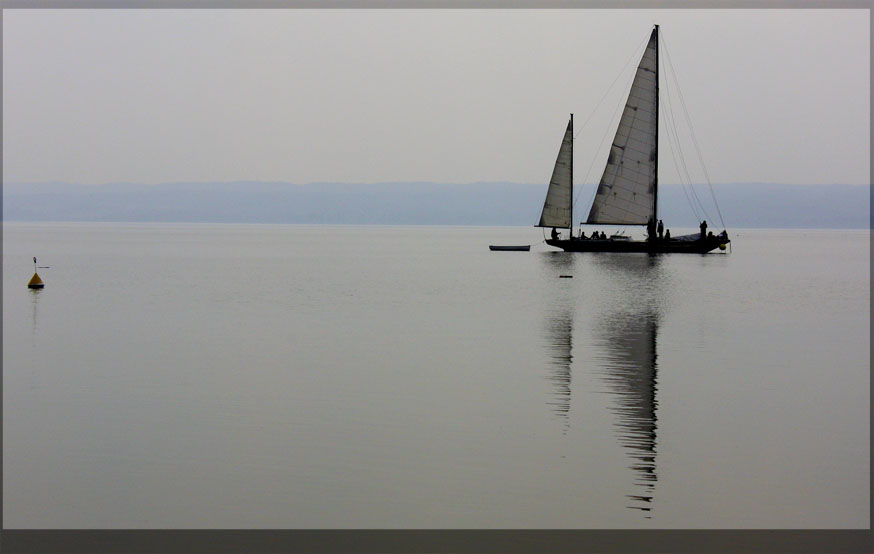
(661, 229)
(555, 233)
(668, 234)
(650, 230)
(703, 229)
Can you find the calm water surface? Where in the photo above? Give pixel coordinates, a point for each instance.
(237, 376)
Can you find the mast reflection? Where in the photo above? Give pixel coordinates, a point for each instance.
(559, 343)
(558, 334)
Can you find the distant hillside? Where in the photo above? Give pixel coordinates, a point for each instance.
(742, 205)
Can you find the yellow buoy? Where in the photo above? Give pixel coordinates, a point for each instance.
(722, 246)
(35, 282)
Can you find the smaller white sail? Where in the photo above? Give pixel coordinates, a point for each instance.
(558, 204)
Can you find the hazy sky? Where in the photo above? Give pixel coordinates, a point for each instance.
(149, 96)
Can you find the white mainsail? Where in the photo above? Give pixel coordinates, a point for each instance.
(557, 206)
(627, 192)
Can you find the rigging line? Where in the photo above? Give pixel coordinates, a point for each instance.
(679, 173)
(636, 52)
(622, 103)
(695, 141)
(673, 123)
(692, 131)
(685, 192)
(682, 168)
(673, 143)
(688, 121)
(685, 168)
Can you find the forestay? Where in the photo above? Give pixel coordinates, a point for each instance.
(557, 206)
(627, 192)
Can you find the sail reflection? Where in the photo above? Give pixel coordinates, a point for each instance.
(629, 362)
(626, 340)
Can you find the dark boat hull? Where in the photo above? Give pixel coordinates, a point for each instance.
(658, 247)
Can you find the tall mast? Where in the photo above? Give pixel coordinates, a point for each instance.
(655, 186)
(571, 228)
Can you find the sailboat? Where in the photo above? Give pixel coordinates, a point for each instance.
(628, 191)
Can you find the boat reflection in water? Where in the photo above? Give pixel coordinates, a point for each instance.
(631, 290)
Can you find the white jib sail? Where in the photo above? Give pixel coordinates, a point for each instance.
(626, 194)
(557, 206)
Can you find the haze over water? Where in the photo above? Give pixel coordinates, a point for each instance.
(281, 376)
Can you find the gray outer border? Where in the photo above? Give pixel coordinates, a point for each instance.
(385, 541)
(444, 4)
(389, 541)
